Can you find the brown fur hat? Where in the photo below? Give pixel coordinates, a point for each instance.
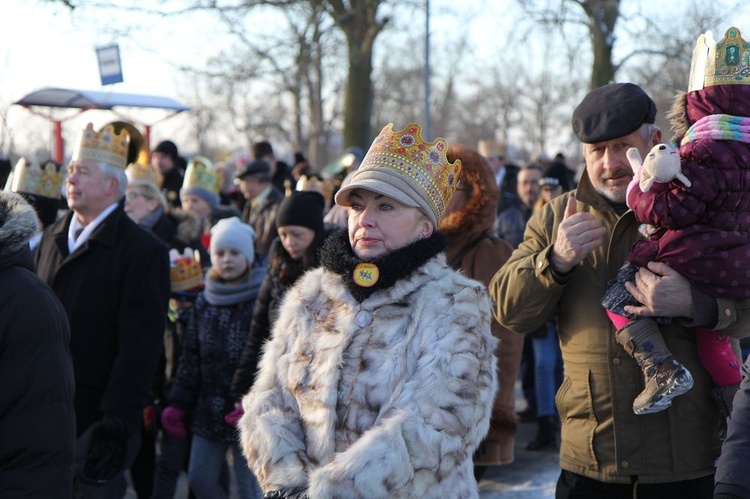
(677, 116)
(477, 175)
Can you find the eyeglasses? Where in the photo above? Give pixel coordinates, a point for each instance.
(130, 196)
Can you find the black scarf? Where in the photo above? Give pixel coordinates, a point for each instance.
(338, 257)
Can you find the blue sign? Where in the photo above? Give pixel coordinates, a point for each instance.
(110, 69)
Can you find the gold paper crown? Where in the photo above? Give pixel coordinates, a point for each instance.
(489, 147)
(424, 164)
(200, 173)
(724, 63)
(147, 172)
(42, 180)
(185, 271)
(103, 147)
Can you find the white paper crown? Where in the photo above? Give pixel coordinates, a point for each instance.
(726, 62)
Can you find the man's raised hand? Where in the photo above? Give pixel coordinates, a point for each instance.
(577, 235)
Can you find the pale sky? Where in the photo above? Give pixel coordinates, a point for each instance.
(43, 44)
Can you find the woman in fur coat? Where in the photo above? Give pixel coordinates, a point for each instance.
(379, 377)
(479, 254)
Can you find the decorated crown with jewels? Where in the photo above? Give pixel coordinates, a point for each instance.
(423, 163)
(185, 271)
(144, 172)
(200, 173)
(44, 180)
(726, 62)
(103, 147)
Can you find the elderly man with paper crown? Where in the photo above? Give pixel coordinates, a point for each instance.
(113, 280)
(379, 377)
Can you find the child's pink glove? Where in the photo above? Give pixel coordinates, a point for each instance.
(232, 418)
(173, 422)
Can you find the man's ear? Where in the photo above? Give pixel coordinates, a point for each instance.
(656, 138)
(111, 185)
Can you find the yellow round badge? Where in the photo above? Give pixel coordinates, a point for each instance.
(366, 275)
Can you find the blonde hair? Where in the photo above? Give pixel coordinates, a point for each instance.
(149, 191)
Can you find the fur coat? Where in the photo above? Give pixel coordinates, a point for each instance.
(387, 397)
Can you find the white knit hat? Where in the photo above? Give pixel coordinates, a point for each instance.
(232, 233)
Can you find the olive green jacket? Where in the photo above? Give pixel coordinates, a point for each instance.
(601, 436)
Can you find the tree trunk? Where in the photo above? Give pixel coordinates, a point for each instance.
(358, 99)
(603, 15)
(360, 25)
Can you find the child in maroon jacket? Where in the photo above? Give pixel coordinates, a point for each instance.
(700, 228)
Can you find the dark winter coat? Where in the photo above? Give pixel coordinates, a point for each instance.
(731, 470)
(179, 230)
(479, 254)
(263, 220)
(171, 185)
(511, 223)
(37, 422)
(115, 290)
(212, 347)
(703, 231)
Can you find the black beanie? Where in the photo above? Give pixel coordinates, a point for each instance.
(167, 147)
(303, 208)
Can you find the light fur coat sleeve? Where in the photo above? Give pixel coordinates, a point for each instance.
(394, 408)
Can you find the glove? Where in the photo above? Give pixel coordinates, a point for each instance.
(106, 454)
(151, 417)
(232, 418)
(173, 422)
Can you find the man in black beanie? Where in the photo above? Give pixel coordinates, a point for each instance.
(570, 250)
(167, 159)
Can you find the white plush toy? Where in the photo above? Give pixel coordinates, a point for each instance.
(662, 165)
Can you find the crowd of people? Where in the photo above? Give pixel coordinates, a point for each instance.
(285, 341)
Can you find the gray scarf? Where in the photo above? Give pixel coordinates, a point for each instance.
(150, 220)
(219, 293)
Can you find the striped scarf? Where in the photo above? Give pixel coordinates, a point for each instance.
(719, 127)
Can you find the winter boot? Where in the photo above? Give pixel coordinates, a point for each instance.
(546, 436)
(724, 397)
(664, 377)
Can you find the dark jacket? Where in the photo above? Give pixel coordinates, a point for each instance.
(37, 422)
(263, 220)
(171, 185)
(511, 223)
(731, 470)
(212, 347)
(115, 290)
(703, 231)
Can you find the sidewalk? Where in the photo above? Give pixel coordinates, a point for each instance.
(532, 475)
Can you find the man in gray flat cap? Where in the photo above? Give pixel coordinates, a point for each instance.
(571, 249)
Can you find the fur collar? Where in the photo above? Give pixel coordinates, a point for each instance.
(678, 117)
(188, 225)
(337, 256)
(477, 216)
(18, 223)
